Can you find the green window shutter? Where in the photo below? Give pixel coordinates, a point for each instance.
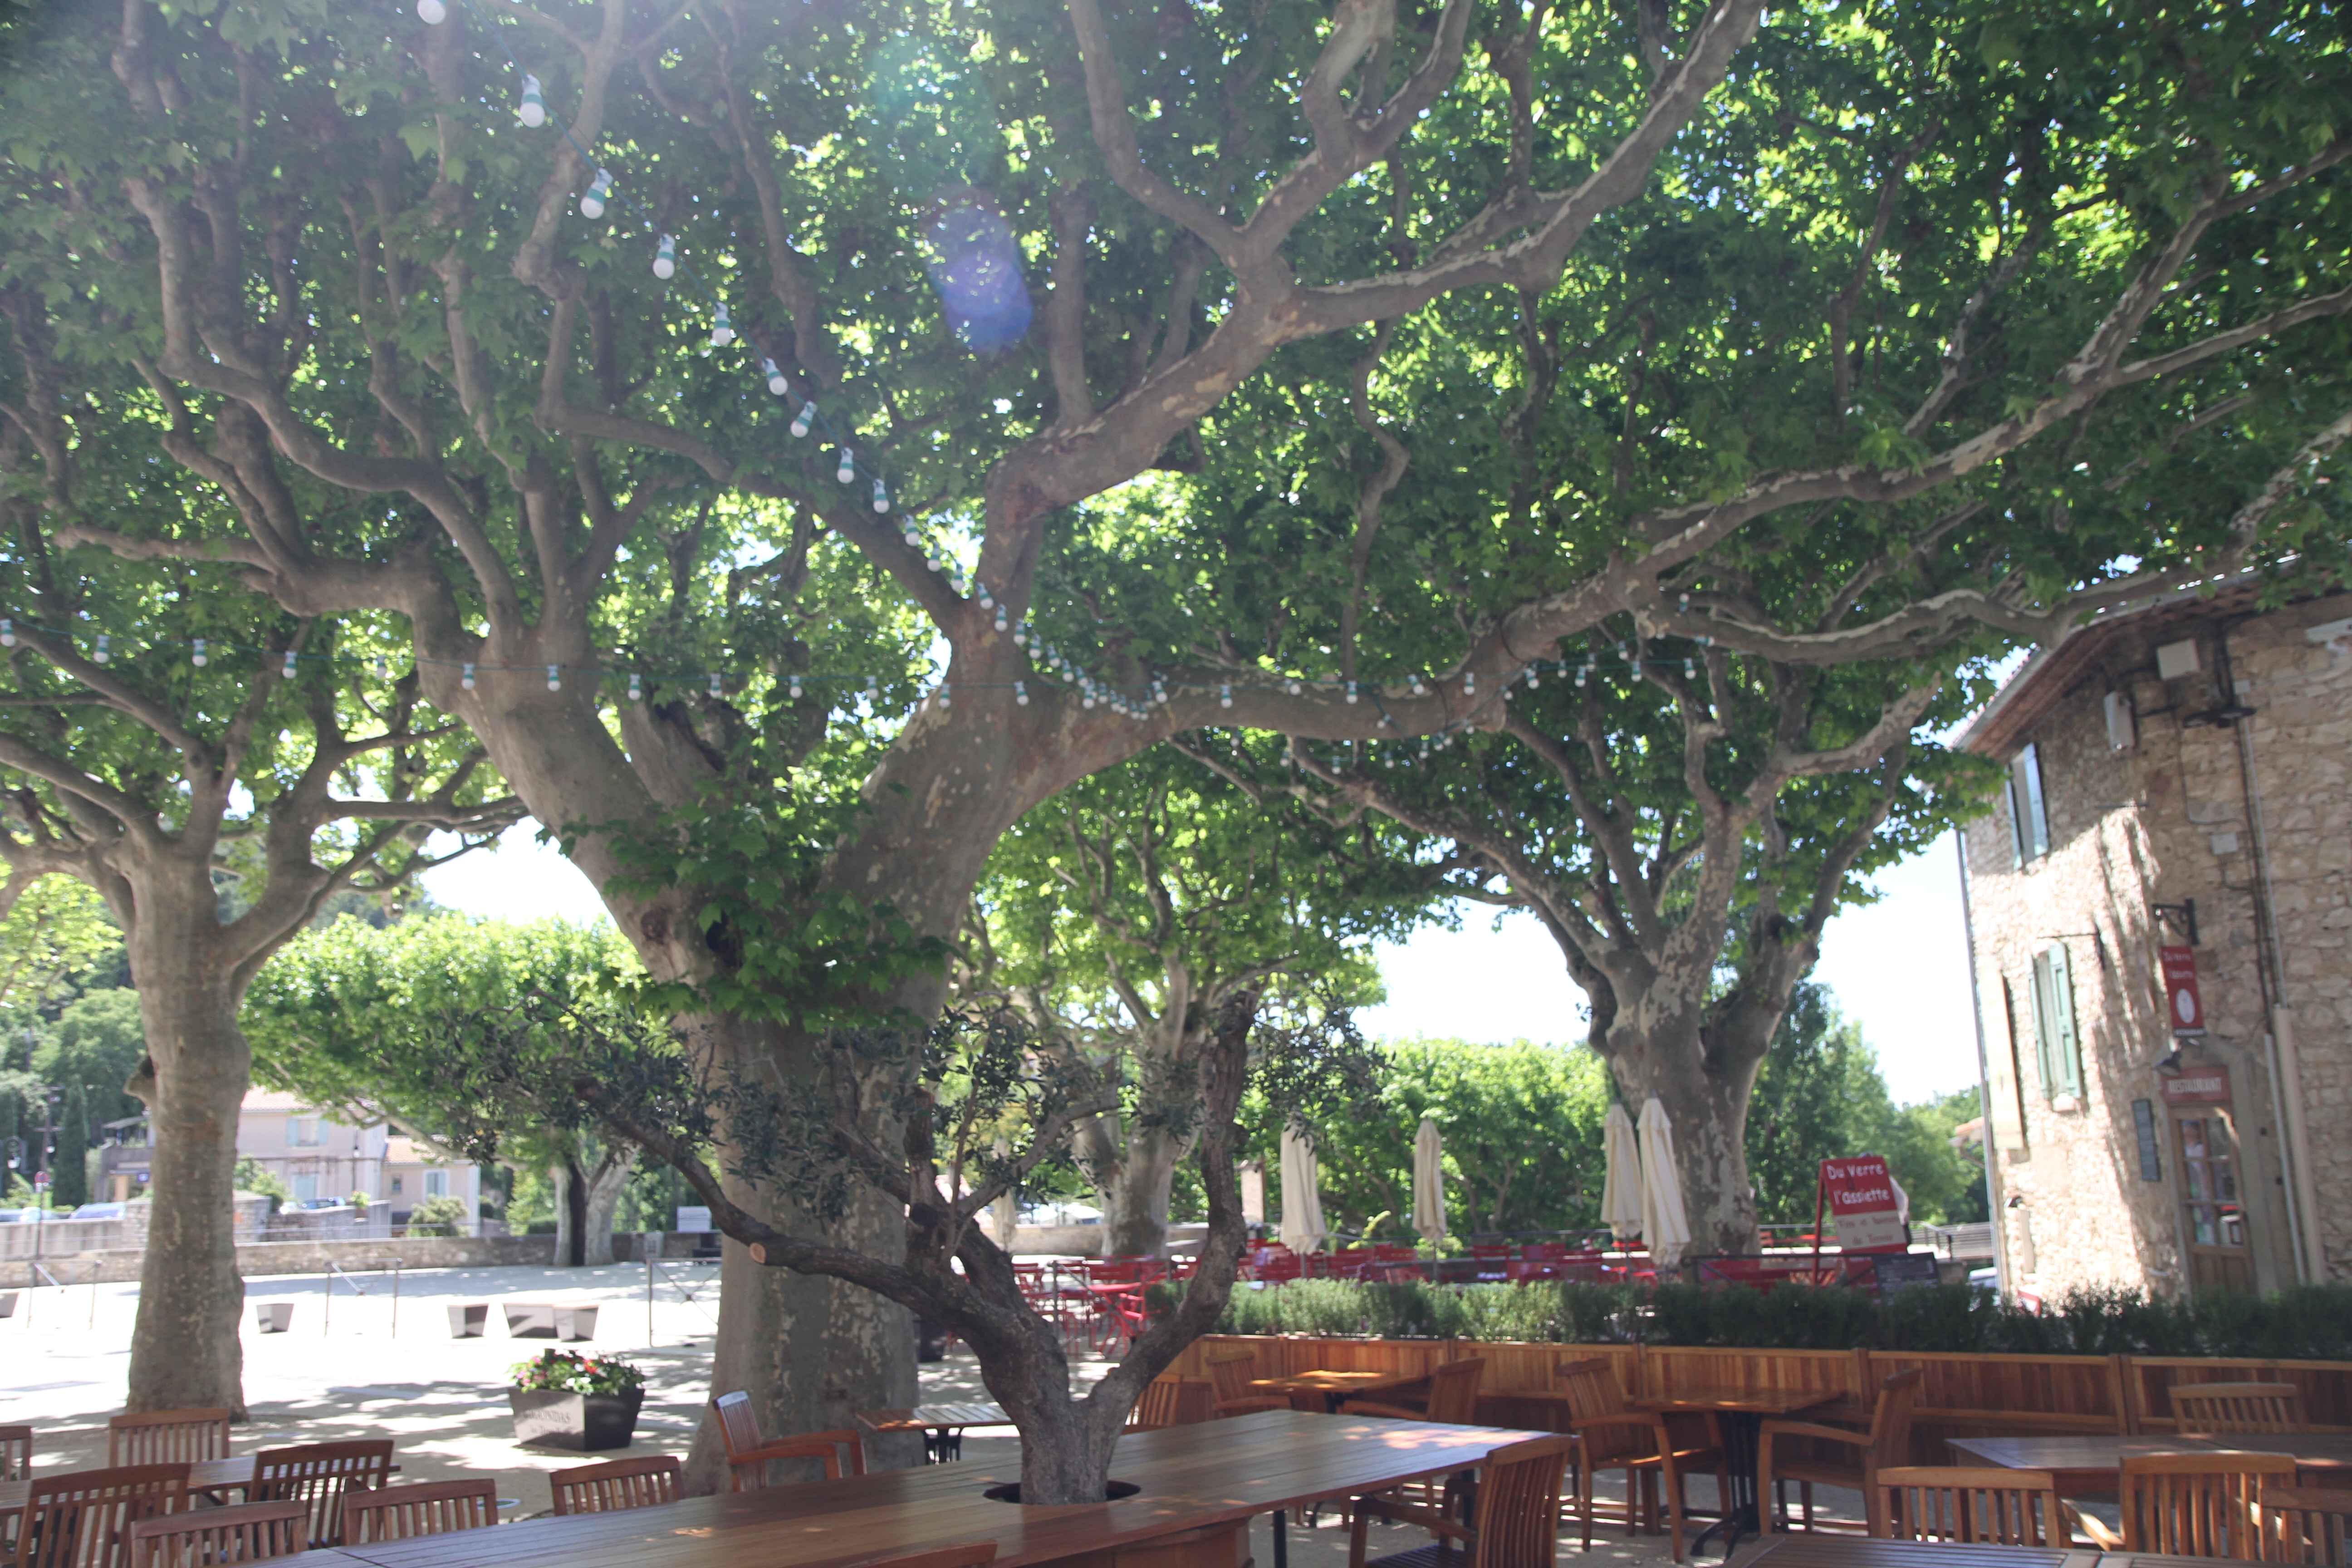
(2044, 1027)
(2064, 1044)
(2016, 825)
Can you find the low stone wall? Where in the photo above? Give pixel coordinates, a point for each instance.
(260, 1259)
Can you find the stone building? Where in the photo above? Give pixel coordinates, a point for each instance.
(2159, 912)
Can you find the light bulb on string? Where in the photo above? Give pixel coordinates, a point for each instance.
(946, 701)
(1532, 682)
(1001, 622)
(1417, 690)
(666, 257)
(913, 536)
(847, 470)
(286, 669)
(1581, 671)
(1292, 687)
(465, 677)
(383, 668)
(533, 110)
(1021, 692)
(431, 13)
(199, 657)
(881, 494)
(591, 200)
(873, 689)
(1351, 693)
(555, 677)
(1159, 692)
(722, 330)
(1690, 669)
(718, 684)
(776, 382)
(1469, 683)
(7, 634)
(800, 421)
(1224, 696)
(636, 687)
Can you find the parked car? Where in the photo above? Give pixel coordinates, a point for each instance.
(98, 1211)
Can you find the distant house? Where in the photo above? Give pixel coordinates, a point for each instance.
(317, 1157)
(2159, 912)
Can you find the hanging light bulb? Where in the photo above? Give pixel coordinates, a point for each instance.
(1000, 617)
(800, 420)
(199, 657)
(636, 687)
(1087, 691)
(555, 677)
(718, 684)
(1351, 694)
(7, 634)
(533, 110)
(591, 200)
(431, 13)
(465, 677)
(913, 536)
(1159, 692)
(847, 469)
(1293, 686)
(873, 689)
(1469, 683)
(722, 330)
(1021, 692)
(1532, 682)
(1581, 671)
(1690, 669)
(946, 701)
(881, 494)
(1682, 604)
(666, 257)
(776, 382)
(286, 669)
(383, 668)
(1417, 690)
(1224, 696)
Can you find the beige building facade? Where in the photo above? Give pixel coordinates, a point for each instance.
(2160, 919)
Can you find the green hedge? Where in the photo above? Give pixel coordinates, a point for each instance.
(2309, 1323)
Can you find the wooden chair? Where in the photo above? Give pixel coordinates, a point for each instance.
(1992, 1507)
(165, 1437)
(421, 1507)
(748, 1455)
(16, 1453)
(202, 1536)
(2306, 1524)
(616, 1484)
(970, 1555)
(1155, 1407)
(1886, 1445)
(2191, 1505)
(1513, 1525)
(2239, 1407)
(319, 1475)
(1453, 1398)
(83, 1519)
(1229, 1371)
(1611, 1435)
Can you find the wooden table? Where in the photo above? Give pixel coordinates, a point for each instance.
(1336, 1386)
(1210, 1473)
(1742, 1412)
(2087, 1465)
(941, 1426)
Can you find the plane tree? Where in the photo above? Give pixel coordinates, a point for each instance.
(1019, 259)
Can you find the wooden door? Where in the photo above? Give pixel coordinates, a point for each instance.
(2214, 1221)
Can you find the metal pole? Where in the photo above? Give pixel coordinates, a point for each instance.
(647, 1242)
(395, 1298)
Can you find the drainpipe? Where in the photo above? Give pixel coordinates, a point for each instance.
(1984, 1080)
(2285, 1064)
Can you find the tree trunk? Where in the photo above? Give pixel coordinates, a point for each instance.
(185, 1353)
(571, 1211)
(604, 1188)
(1706, 1101)
(1134, 1189)
(810, 1350)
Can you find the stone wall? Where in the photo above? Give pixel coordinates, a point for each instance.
(262, 1259)
(2167, 821)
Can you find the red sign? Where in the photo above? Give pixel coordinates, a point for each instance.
(1861, 1195)
(2198, 1086)
(2181, 998)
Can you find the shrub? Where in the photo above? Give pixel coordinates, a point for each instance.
(443, 1209)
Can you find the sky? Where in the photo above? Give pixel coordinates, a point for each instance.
(1898, 966)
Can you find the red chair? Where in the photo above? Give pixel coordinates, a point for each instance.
(1489, 1259)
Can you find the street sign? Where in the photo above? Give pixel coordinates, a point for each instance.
(2181, 1002)
(1860, 1197)
(2198, 1086)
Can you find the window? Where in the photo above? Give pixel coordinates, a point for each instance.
(2029, 809)
(303, 1133)
(2151, 1158)
(2057, 1051)
(436, 1184)
(395, 1186)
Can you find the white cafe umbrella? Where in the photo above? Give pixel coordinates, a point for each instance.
(1621, 1192)
(1428, 1184)
(1005, 1208)
(1302, 1205)
(1664, 1227)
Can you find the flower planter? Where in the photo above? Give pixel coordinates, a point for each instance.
(582, 1421)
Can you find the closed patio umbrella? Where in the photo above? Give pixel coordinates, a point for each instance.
(1428, 1184)
(1302, 1205)
(1665, 1227)
(1621, 1191)
(1004, 1210)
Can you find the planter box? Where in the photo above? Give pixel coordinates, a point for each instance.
(273, 1317)
(469, 1321)
(545, 1321)
(581, 1421)
(7, 1303)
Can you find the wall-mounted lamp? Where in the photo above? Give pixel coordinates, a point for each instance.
(2169, 1066)
(2181, 917)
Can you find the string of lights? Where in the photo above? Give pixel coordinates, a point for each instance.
(671, 263)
